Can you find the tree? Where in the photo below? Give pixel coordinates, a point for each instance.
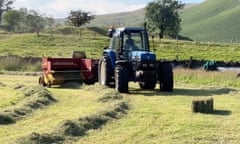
(23, 21)
(79, 18)
(35, 21)
(162, 15)
(50, 22)
(4, 6)
(11, 20)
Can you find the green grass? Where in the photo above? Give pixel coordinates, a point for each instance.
(57, 46)
(154, 116)
(29, 45)
(63, 45)
(201, 77)
(167, 118)
(169, 49)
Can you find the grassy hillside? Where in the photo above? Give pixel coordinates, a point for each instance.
(63, 42)
(93, 41)
(213, 20)
(133, 18)
(210, 21)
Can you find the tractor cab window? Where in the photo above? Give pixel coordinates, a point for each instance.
(115, 43)
(134, 41)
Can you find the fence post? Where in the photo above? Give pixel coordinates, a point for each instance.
(232, 41)
(196, 40)
(80, 32)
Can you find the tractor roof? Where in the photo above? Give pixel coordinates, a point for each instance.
(129, 29)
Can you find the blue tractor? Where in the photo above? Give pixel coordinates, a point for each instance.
(128, 58)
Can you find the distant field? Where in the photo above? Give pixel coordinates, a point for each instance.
(92, 41)
(56, 46)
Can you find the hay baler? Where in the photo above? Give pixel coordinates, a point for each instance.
(57, 71)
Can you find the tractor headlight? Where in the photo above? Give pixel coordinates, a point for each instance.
(136, 58)
(151, 65)
(144, 65)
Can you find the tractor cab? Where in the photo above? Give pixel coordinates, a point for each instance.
(129, 43)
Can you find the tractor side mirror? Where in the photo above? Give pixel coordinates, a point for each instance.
(110, 32)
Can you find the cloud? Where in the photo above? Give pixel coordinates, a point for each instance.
(61, 8)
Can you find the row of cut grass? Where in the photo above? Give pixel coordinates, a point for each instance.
(72, 102)
(9, 97)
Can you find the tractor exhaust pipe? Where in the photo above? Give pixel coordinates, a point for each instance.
(145, 26)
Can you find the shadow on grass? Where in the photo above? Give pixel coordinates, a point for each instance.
(221, 112)
(183, 92)
(69, 85)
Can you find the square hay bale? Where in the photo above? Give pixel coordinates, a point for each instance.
(205, 105)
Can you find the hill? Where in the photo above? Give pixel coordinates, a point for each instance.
(131, 18)
(212, 20)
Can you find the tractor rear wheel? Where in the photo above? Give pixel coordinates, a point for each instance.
(121, 79)
(89, 81)
(165, 76)
(147, 85)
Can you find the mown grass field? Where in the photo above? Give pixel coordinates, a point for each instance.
(153, 117)
(72, 103)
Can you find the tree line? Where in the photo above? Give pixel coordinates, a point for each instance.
(24, 20)
(161, 16)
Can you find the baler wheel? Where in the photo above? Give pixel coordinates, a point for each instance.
(41, 81)
(49, 85)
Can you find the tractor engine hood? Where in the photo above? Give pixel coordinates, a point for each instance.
(142, 56)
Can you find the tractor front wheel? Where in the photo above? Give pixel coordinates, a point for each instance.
(121, 79)
(104, 72)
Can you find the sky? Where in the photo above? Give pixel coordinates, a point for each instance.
(62, 8)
